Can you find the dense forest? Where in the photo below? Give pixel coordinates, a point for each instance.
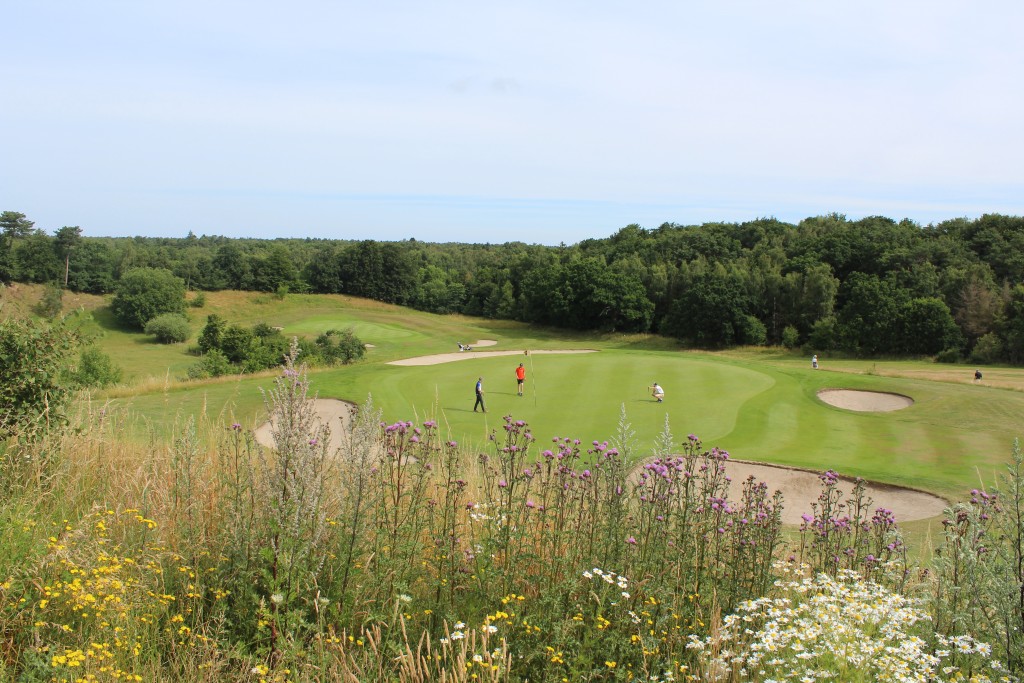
(954, 290)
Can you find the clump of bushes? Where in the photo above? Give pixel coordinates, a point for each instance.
(261, 347)
(169, 328)
(339, 347)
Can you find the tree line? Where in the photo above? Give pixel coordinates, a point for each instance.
(872, 286)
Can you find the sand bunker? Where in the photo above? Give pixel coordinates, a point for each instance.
(469, 355)
(864, 401)
(337, 415)
(800, 488)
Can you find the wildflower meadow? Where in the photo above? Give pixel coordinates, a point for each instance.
(390, 552)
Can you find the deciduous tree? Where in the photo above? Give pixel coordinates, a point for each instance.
(144, 293)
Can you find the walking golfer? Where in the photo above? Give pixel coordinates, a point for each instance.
(520, 378)
(479, 395)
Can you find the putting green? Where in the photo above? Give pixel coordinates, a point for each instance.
(569, 395)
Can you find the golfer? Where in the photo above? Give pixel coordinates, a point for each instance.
(657, 392)
(479, 395)
(520, 378)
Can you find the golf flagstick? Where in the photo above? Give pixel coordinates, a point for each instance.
(527, 354)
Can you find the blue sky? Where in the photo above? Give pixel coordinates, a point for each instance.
(545, 122)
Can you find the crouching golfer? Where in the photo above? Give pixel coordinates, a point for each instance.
(657, 392)
(479, 395)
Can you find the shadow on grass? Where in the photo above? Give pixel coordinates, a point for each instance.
(106, 319)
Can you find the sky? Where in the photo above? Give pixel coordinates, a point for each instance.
(546, 122)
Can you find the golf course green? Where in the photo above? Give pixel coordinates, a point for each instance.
(759, 404)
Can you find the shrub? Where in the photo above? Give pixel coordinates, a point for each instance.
(95, 369)
(32, 355)
(337, 346)
(988, 349)
(169, 328)
(52, 302)
(751, 331)
(790, 337)
(237, 343)
(213, 364)
(948, 356)
(824, 334)
(198, 301)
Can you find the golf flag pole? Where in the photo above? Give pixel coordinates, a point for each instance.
(534, 383)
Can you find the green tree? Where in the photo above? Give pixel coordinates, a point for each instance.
(1012, 326)
(595, 296)
(436, 292)
(213, 333)
(35, 259)
(275, 270)
(232, 267)
(66, 240)
(978, 308)
(237, 343)
(925, 326)
(323, 272)
(711, 311)
(868, 320)
(93, 268)
(14, 225)
(144, 293)
(380, 271)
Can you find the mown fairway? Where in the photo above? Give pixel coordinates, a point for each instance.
(759, 405)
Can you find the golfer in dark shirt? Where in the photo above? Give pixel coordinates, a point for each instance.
(479, 395)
